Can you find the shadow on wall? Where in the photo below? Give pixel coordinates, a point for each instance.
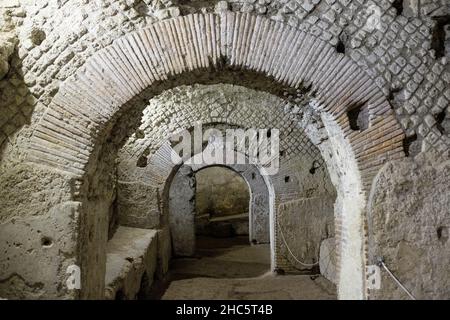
(16, 101)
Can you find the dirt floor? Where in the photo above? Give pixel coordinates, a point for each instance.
(232, 269)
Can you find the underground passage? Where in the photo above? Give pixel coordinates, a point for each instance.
(224, 150)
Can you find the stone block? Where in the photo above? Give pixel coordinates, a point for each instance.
(327, 259)
(31, 264)
(138, 205)
(131, 253)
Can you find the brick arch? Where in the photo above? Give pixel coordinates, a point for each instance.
(82, 111)
(264, 111)
(67, 133)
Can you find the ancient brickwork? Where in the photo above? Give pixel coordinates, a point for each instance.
(184, 107)
(397, 53)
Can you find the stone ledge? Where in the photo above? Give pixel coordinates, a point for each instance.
(131, 253)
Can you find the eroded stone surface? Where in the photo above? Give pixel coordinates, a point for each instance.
(410, 217)
(138, 205)
(303, 224)
(36, 252)
(212, 186)
(7, 44)
(182, 212)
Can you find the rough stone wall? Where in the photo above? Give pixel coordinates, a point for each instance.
(30, 240)
(302, 225)
(409, 223)
(7, 46)
(305, 213)
(36, 252)
(221, 192)
(23, 184)
(138, 205)
(42, 204)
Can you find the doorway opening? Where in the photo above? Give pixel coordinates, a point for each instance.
(222, 248)
(222, 224)
(222, 202)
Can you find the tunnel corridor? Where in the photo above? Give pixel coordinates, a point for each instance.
(224, 149)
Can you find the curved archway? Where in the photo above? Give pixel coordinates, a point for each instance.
(261, 210)
(259, 204)
(182, 109)
(89, 102)
(171, 47)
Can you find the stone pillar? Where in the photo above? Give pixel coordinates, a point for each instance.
(182, 212)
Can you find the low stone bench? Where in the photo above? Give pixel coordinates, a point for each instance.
(130, 254)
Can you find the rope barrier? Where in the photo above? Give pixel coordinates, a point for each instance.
(291, 253)
(381, 263)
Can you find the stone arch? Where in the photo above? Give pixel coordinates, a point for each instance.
(259, 209)
(82, 112)
(159, 166)
(214, 104)
(259, 212)
(182, 108)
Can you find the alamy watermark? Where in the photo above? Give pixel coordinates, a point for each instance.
(74, 280)
(228, 147)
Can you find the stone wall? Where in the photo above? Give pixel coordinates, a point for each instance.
(138, 205)
(305, 213)
(36, 252)
(409, 221)
(221, 192)
(37, 222)
(302, 225)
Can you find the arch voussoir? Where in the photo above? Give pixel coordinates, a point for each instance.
(134, 62)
